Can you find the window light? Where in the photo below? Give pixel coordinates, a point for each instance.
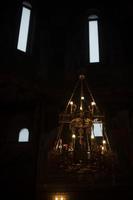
(24, 29)
(23, 135)
(98, 129)
(93, 39)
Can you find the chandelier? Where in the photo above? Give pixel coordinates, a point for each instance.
(82, 133)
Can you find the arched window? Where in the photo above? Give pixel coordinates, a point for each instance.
(93, 37)
(23, 135)
(24, 27)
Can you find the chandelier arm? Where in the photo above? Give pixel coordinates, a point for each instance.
(91, 96)
(59, 134)
(72, 95)
(89, 91)
(107, 138)
(81, 95)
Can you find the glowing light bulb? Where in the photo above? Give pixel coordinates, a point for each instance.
(81, 108)
(93, 103)
(92, 136)
(102, 148)
(104, 142)
(71, 102)
(73, 136)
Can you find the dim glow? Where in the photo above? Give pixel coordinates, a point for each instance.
(24, 29)
(82, 98)
(94, 17)
(93, 41)
(60, 197)
(23, 135)
(98, 129)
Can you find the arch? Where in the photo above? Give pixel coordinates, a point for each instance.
(23, 135)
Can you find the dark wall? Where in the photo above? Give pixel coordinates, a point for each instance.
(33, 86)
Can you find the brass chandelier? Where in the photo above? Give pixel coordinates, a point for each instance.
(82, 131)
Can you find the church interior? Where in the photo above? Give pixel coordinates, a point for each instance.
(36, 80)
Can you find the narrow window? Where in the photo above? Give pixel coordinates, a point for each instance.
(93, 39)
(23, 135)
(24, 27)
